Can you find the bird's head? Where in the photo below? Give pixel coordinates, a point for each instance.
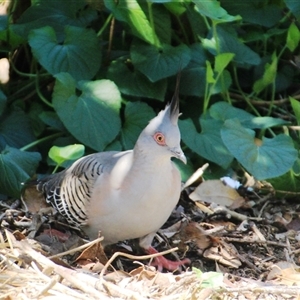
(162, 134)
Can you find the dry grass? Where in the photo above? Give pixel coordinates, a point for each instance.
(25, 273)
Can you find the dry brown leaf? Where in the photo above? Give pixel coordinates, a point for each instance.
(19, 235)
(95, 267)
(285, 273)
(225, 254)
(34, 200)
(192, 232)
(214, 191)
(92, 253)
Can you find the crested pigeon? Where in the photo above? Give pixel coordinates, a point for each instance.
(128, 194)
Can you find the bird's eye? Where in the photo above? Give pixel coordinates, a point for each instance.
(159, 138)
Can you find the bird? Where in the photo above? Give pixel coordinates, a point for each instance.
(124, 194)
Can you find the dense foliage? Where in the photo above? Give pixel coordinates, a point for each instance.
(94, 72)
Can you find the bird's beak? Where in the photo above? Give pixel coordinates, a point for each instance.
(178, 153)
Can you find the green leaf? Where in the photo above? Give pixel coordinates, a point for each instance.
(130, 11)
(287, 184)
(51, 119)
(16, 167)
(36, 123)
(162, 22)
(137, 116)
(223, 111)
(296, 108)
(9, 37)
(62, 154)
(259, 12)
(213, 10)
(90, 113)
(209, 73)
(264, 122)
(208, 143)
(49, 13)
(294, 7)
(79, 54)
(266, 158)
(133, 83)
(3, 22)
(15, 129)
(193, 76)
(209, 279)
(221, 61)
(296, 168)
(293, 37)
(3, 100)
(269, 75)
(158, 63)
(230, 43)
(222, 85)
(176, 8)
(199, 56)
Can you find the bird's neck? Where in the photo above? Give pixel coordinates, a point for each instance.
(142, 155)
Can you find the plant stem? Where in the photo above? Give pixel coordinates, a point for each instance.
(246, 97)
(46, 138)
(55, 169)
(183, 30)
(37, 87)
(105, 25)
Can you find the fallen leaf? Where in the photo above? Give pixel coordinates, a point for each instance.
(94, 252)
(214, 191)
(225, 254)
(34, 200)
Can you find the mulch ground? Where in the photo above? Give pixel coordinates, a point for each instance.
(246, 250)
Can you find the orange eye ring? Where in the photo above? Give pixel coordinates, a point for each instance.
(159, 138)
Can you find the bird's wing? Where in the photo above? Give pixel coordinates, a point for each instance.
(69, 191)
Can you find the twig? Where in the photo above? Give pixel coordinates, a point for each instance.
(78, 248)
(141, 257)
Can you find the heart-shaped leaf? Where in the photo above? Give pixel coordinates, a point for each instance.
(263, 122)
(131, 12)
(51, 119)
(159, 62)
(294, 7)
(15, 129)
(79, 54)
(16, 167)
(286, 185)
(208, 143)
(266, 158)
(89, 110)
(48, 13)
(213, 10)
(137, 116)
(265, 13)
(134, 83)
(229, 42)
(223, 111)
(62, 154)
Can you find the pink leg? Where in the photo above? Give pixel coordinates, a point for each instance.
(163, 263)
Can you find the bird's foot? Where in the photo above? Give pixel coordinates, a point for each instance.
(163, 263)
